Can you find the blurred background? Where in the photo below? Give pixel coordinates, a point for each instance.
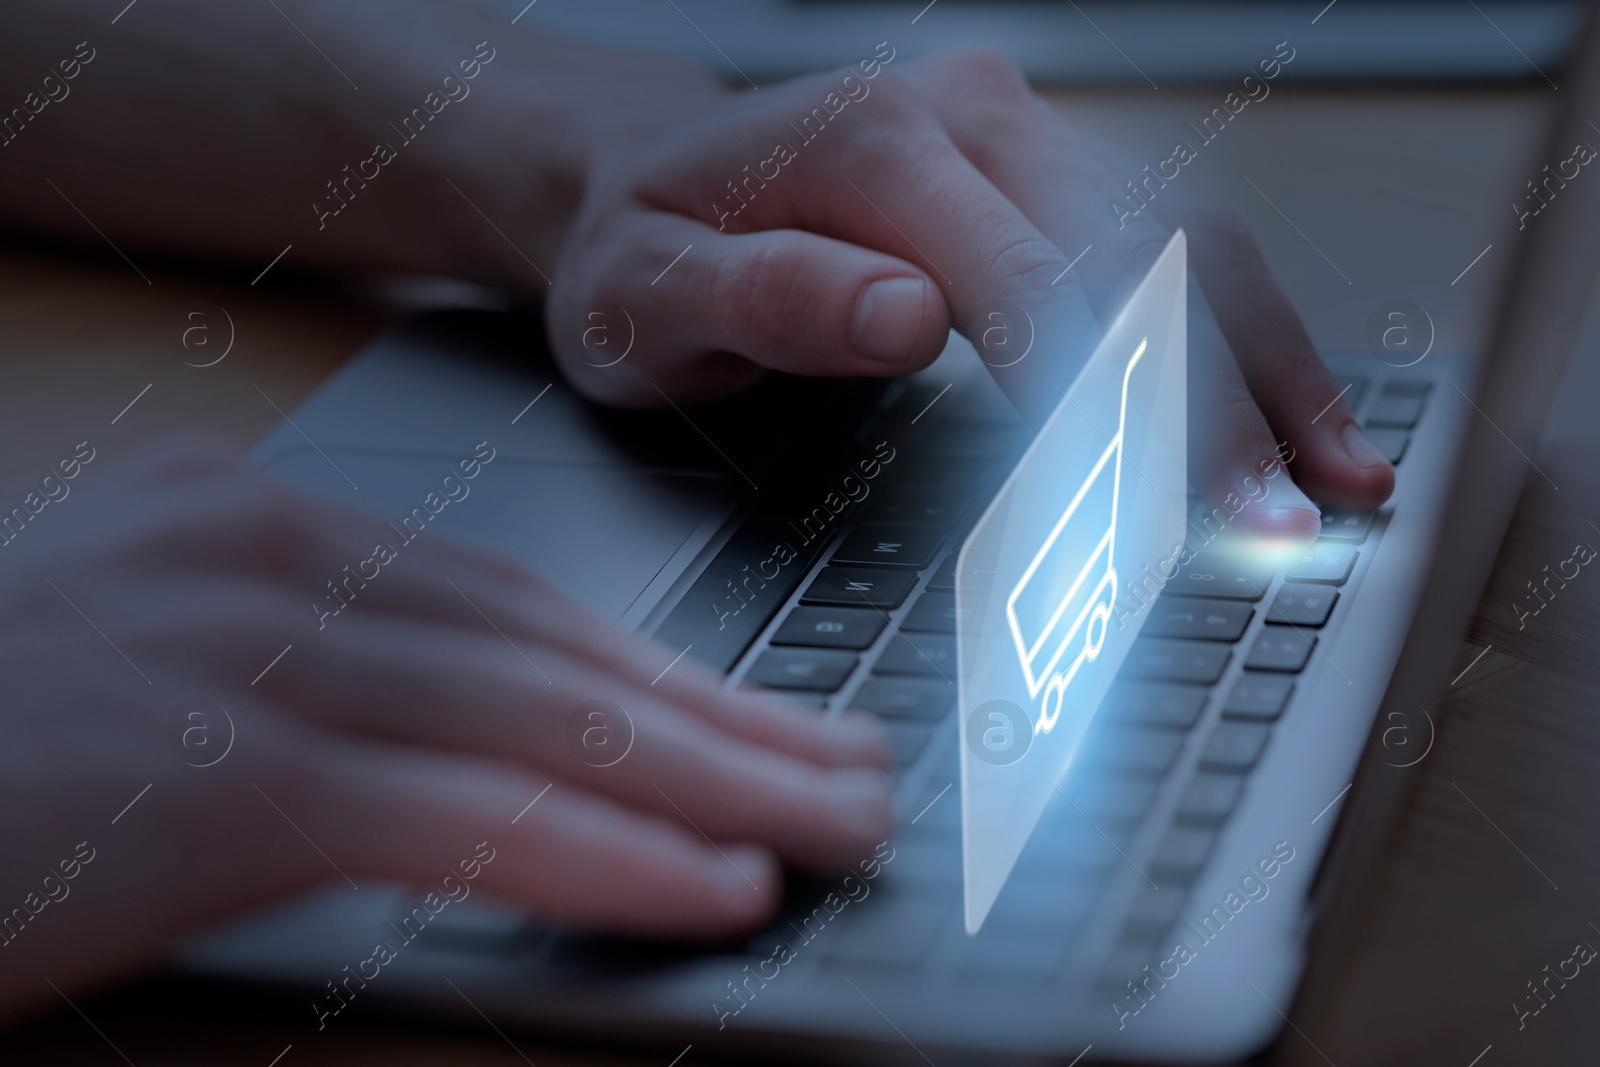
(1097, 43)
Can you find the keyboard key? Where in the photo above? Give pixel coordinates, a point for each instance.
(1279, 648)
(859, 587)
(814, 701)
(1066, 848)
(889, 545)
(1258, 696)
(1407, 387)
(905, 698)
(932, 655)
(806, 497)
(922, 859)
(819, 627)
(1327, 563)
(1302, 605)
(943, 472)
(942, 820)
(933, 613)
(1113, 802)
(1160, 704)
(1033, 957)
(1033, 910)
(898, 936)
(1145, 753)
(1200, 618)
(944, 579)
(1168, 660)
(1392, 443)
(1398, 412)
(1055, 866)
(1155, 910)
(1144, 939)
(1124, 970)
(818, 670)
(1357, 389)
(968, 438)
(919, 505)
(1214, 575)
(1350, 526)
(1209, 799)
(906, 742)
(1234, 746)
(739, 592)
(1181, 855)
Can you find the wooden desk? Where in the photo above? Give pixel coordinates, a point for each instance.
(1464, 909)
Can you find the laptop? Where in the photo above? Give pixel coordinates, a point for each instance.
(1229, 792)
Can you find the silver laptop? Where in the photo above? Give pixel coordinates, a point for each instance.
(1233, 785)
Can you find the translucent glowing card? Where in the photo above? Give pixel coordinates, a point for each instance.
(1097, 498)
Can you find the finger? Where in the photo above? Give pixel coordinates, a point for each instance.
(886, 177)
(1235, 464)
(534, 615)
(1024, 147)
(989, 260)
(243, 524)
(768, 718)
(781, 299)
(563, 853)
(244, 521)
(544, 616)
(1335, 463)
(466, 587)
(235, 628)
(425, 685)
(760, 717)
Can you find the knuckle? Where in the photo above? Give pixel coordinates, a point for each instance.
(1139, 248)
(763, 298)
(1024, 263)
(896, 112)
(894, 96)
(984, 69)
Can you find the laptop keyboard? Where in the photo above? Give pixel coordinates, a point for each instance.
(870, 625)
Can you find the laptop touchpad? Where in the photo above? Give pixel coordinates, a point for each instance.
(608, 506)
(600, 534)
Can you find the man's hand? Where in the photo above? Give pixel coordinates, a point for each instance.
(841, 224)
(837, 224)
(416, 723)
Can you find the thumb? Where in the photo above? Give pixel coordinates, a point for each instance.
(784, 300)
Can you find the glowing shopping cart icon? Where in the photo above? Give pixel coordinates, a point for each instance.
(1061, 607)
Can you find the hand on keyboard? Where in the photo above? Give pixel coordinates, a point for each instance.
(839, 224)
(174, 705)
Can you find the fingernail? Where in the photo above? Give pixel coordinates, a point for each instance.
(1292, 508)
(1363, 453)
(746, 866)
(1285, 495)
(889, 315)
